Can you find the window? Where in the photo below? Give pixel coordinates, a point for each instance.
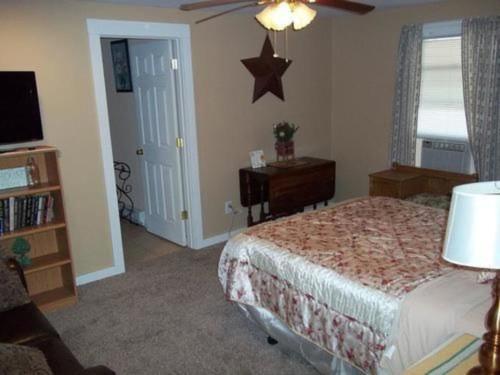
(441, 113)
(442, 141)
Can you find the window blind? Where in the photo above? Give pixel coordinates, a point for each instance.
(441, 112)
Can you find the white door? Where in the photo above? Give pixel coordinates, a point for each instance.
(155, 83)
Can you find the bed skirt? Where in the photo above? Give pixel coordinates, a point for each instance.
(321, 360)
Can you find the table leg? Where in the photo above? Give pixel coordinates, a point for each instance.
(249, 197)
(262, 214)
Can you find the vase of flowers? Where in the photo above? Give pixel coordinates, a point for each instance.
(284, 146)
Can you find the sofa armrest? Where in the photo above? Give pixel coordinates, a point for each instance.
(97, 370)
(15, 266)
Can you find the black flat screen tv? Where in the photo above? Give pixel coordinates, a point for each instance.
(20, 119)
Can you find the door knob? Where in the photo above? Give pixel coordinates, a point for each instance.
(139, 151)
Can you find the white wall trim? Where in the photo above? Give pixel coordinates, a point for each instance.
(192, 192)
(98, 275)
(98, 29)
(219, 238)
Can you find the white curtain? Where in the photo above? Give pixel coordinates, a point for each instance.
(406, 96)
(481, 81)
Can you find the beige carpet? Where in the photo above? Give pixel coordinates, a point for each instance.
(167, 315)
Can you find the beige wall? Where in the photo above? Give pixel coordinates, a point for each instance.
(364, 56)
(229, 126)
(50, 37)
(123, 126)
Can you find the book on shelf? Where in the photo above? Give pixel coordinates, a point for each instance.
(5, 215)
(25, 211)
(11, 213)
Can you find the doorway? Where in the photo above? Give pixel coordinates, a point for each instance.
(144, 127)
(180, 37)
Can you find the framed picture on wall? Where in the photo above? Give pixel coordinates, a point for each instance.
(121, 65)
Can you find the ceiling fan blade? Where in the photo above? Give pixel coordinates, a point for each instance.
(228, 11)
(210, 3)
(345, 5)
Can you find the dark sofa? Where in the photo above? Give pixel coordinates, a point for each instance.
(26, 325)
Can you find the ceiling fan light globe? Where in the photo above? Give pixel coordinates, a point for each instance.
(264, 17)
(282, 16)
(302, 15)
(277, 16)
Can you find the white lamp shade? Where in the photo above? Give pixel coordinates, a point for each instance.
(277, 16)
(302, 15)
(473, 232)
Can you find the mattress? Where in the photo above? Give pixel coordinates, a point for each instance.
(339, 277)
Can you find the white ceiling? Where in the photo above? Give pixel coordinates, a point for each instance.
(379, 4)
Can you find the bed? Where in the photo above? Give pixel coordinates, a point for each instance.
(356, 288)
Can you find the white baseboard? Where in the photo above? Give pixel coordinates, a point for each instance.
(98, 275)
(219, 238)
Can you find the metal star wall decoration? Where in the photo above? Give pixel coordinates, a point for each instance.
(267, 71)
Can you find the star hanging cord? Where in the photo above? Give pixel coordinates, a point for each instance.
(267, 71)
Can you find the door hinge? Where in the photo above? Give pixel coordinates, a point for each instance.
(175, 64)
(184, 215)
(179, 142)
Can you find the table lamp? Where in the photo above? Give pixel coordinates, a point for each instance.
(473, 240)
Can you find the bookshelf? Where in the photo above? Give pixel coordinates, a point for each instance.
(50, 277)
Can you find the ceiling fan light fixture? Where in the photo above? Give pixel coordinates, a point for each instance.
(277, 16)
(302, 15)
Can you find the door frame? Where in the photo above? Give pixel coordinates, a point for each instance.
(101, 28)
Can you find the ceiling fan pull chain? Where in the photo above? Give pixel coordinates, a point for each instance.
(275, 54)
(286, 44)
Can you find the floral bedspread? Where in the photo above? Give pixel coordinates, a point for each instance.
(337, 276)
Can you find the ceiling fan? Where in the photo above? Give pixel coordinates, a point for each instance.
(279, 14)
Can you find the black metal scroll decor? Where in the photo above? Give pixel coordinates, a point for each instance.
(123, 190)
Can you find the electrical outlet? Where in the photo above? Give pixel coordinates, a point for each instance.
(228, 207)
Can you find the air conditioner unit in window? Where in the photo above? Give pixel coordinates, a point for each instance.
(447, 155)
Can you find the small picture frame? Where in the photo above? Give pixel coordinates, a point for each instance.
(257, 159)
(121, 65)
